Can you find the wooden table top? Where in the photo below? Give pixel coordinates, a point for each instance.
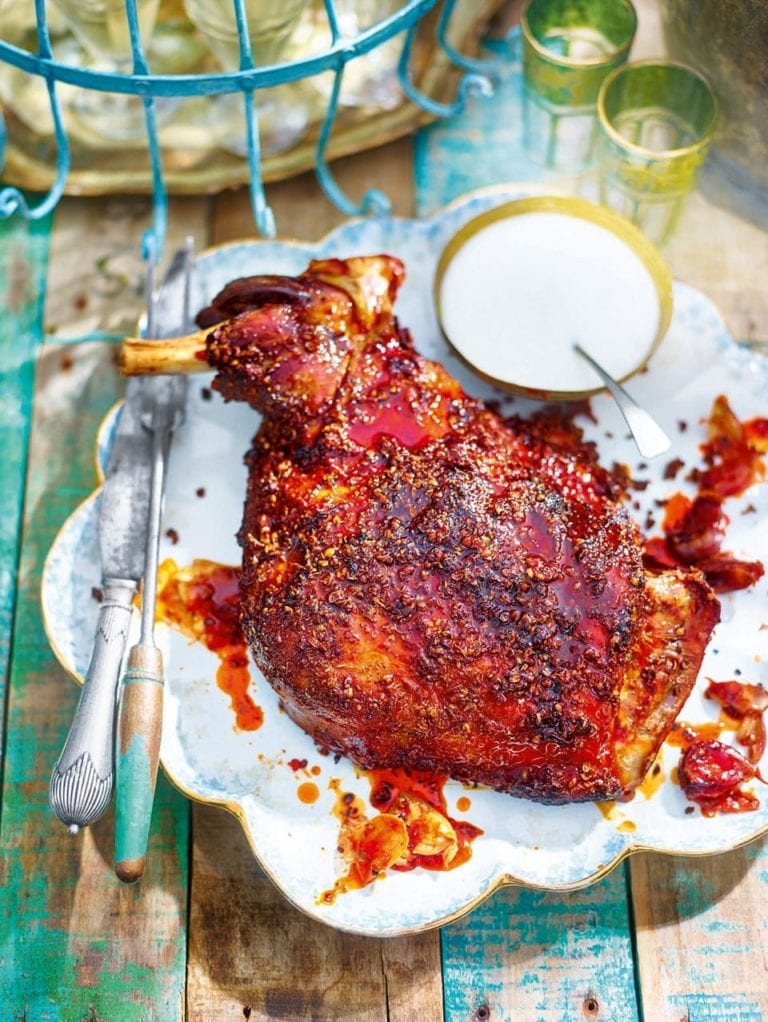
(204, 936)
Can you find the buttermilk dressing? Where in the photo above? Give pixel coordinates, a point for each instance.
(521, 290)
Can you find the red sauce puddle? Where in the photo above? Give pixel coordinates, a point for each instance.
(412, 829)
(202, 601)
(394, 417)
(683, 734)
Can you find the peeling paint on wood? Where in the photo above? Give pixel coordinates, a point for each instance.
(23, 252)
(481, 146)
(543, 957)
(79, 944)
(702, 935)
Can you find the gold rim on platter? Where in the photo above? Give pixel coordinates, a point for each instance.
(237, 810)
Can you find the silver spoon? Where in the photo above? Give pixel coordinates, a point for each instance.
(650, 438)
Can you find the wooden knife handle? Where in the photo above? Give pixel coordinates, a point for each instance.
(138, 754)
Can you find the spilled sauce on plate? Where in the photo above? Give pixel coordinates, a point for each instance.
(412, 829)
(202, 602)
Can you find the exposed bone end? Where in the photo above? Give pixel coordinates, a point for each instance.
(140, 356)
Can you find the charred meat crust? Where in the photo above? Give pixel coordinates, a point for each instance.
(428, 585)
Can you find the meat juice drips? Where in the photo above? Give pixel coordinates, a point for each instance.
(412, 829)
(307, 792)
(202, 602)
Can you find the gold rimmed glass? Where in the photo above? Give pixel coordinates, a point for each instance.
(657, 121)
(569, 46)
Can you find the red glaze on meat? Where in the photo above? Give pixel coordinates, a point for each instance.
(426, 584)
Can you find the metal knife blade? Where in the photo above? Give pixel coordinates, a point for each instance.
(83, 777)
(123, 512)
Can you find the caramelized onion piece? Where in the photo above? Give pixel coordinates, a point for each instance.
(712, 773)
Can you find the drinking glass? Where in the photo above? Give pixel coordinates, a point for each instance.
(569, 46)
(657, 122)
(371, 79)
(101, 29)
(283, 110)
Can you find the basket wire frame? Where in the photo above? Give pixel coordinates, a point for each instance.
(476, 79)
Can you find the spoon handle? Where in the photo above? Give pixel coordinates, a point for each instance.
(650, 438)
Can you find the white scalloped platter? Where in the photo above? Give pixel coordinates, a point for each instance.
(554, 847)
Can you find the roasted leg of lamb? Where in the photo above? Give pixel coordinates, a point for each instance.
(427, 584)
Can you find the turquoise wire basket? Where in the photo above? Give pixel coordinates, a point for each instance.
(475, 78)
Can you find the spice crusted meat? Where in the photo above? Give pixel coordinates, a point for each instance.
(426, 584)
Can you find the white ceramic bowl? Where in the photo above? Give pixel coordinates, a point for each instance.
(519, 284)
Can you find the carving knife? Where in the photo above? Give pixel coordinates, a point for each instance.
(140, 712)
(82, 779)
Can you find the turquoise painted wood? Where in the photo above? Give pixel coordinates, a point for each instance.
(481, 146)
(74, 943)
(23, 255)
(702, 935)
(523, 954)
(542, 957)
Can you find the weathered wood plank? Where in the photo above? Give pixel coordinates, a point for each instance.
(543, 957)
(75, 943)
(23, 253)
(480, 147)
(722, 255)
(702, 936)
(96, 284)
(253, 955)
(303, 211)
